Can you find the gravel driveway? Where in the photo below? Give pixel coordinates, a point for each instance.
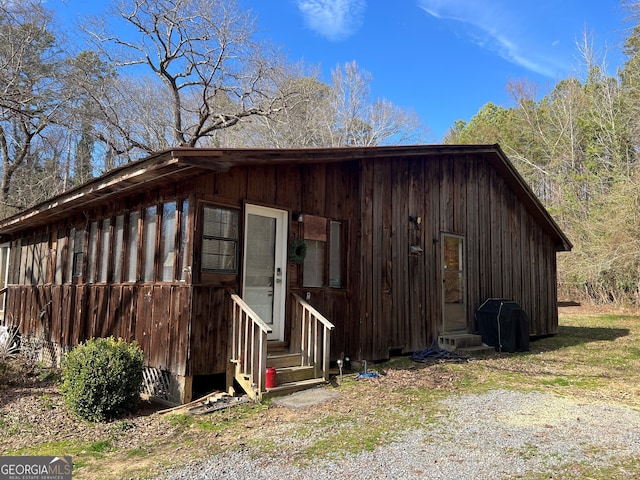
(500, 434)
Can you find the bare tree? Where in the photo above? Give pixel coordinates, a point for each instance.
(31, 90)
(202, 51)
(342, 113)
(359, 120)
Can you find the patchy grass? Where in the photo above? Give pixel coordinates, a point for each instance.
(592, 357)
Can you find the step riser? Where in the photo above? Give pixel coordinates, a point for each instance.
(282, 361)
(292, 387)
(294, 375)
(453, 343)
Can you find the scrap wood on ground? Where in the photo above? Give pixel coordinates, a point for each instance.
(207, 404)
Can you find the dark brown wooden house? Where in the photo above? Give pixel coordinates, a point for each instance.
(209, 257)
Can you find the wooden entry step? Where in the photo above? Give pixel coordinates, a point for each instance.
(292, 387)
(283, 360)
(277, 348)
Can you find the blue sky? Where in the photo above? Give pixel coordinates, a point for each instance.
(443, 59)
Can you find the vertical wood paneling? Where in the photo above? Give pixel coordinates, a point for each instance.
(262, 185)
(289, 197)
(400, 244)
(471, 240)
(144, 316)
(314, 181)
(367, 262)
(390, 299)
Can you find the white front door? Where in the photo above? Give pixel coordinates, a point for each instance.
(265, 265)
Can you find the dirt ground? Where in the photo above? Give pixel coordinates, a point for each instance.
(32, 412)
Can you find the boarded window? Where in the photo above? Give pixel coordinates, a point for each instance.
(132, 247)
(219, 240)
(105, 240)
(118, 236)
(168, 241)
(149, 242)
(315, 237)
(324, 262)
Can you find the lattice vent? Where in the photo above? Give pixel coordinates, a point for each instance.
(157, 383)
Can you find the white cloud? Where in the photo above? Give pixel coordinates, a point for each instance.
(495, 26)
(334, 19)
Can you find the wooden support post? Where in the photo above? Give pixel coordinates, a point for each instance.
(185, 388)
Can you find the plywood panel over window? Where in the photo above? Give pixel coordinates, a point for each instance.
(324, 263)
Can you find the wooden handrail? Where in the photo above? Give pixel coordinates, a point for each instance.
(248, 347)
(316, 337)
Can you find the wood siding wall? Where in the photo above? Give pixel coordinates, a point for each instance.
(508, 255)
(156, 316)
(390, 300)
(327, 190)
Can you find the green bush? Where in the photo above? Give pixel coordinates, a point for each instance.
(101, 378)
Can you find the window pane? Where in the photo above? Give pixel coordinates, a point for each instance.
(453, 288)
(219, 240)
(168, 241)
(91, 259)
(218, 255)
(16, 255)
(219, 222)
(4, 260)
(105, 236)
(61, 250)
(184, 223)
(78, 252)
(452, 253)
(149, 242)
(69, 254)
(335, 255)
(40, 253)
(132, 247)
(313, 273)
(118, 236)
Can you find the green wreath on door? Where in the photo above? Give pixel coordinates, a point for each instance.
(297, 251)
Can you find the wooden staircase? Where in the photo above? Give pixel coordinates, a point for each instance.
(252, 354)
(291, 374)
